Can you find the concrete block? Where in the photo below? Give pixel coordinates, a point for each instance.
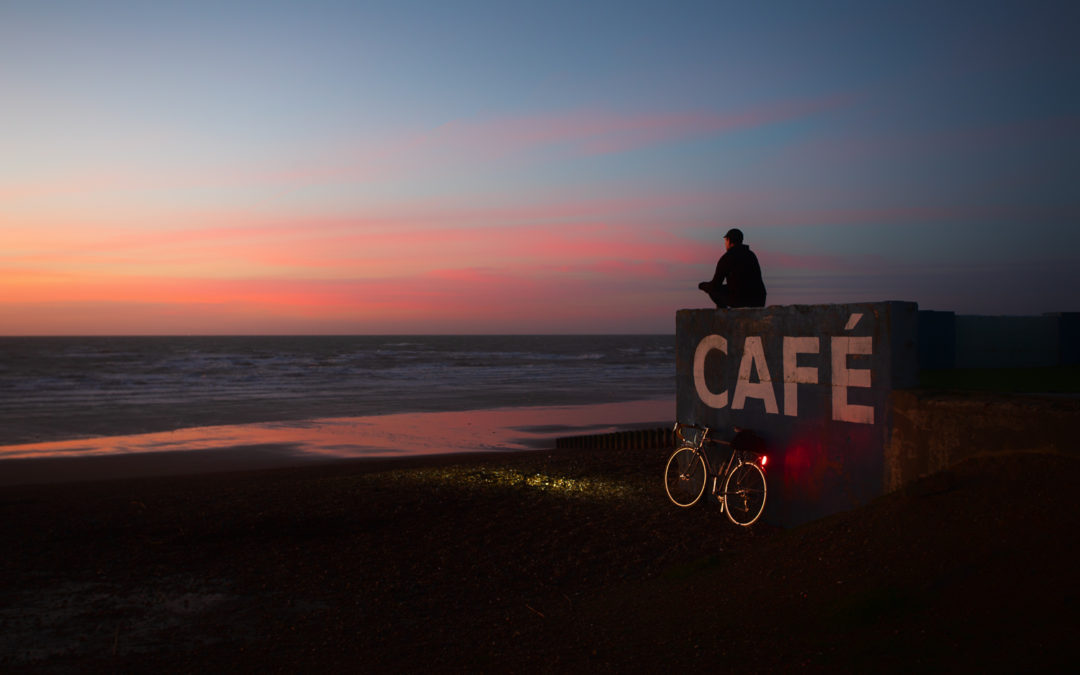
(1007, 341)
(813, 382)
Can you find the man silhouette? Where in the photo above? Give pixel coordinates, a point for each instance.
(740, 268)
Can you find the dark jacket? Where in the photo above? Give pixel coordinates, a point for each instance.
(739, 266)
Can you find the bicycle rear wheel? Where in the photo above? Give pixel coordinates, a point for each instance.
(684, 477)
(744, 494)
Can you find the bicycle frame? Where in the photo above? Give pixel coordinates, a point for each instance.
(743, 501)
(699, 449)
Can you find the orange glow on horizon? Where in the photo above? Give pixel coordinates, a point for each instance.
(354, 275)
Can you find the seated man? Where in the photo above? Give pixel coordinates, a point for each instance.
(739, 266)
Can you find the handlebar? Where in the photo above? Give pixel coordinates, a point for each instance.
(678, 430)
(756, 451)
(679, 426)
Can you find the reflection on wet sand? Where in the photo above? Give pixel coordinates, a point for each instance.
(282, 443)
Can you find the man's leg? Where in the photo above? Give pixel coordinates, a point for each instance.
(720, 296)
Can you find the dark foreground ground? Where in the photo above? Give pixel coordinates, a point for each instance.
(534, 562)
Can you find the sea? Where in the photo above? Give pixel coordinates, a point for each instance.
(56, 389)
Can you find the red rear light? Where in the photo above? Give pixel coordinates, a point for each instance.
(764, 460)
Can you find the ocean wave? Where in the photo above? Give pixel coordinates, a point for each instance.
(69, 378)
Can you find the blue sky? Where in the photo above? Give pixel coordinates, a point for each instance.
(527, 167)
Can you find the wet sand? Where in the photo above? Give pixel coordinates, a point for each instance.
(282, 443)
(533, 561)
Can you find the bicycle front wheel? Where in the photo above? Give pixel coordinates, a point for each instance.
(744, 494)
(684, 477)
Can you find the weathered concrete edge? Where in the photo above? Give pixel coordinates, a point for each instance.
(932, 430)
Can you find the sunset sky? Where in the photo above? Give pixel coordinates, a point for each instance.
(527, 167)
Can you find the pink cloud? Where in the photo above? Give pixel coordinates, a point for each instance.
(599, 132)
(508, 235)
(481, 140)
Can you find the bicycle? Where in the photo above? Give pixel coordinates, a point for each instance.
(688, 470)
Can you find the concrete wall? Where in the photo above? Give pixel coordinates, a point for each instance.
(950, 341)
(932, 430)
(813, 381)
(1068, 338)
(1006, 341)
(937, 340)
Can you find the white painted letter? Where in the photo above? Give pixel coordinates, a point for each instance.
(707, 344)
(843, 377)
(754, 356)
(794, 375)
